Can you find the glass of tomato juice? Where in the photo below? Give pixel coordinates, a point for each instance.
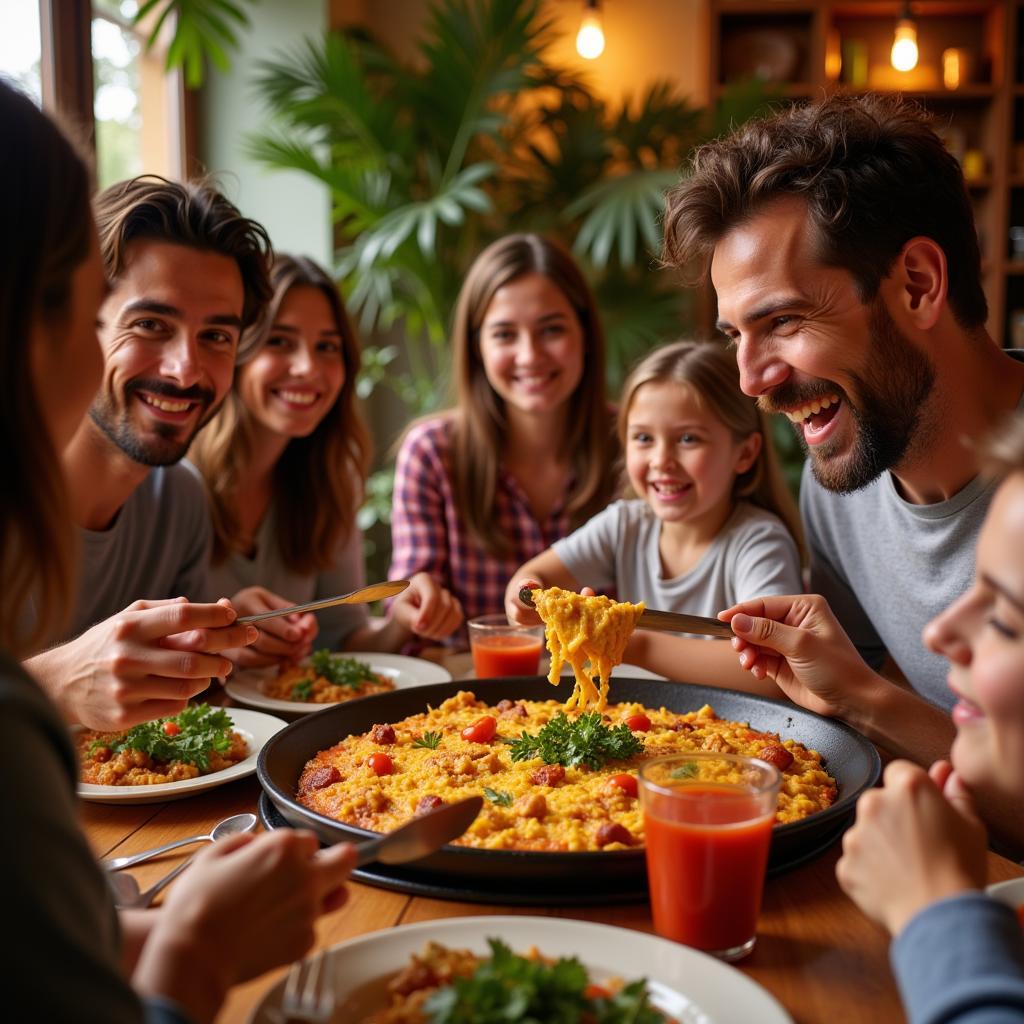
(708, 821)
(501, 648)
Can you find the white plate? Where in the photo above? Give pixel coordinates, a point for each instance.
(256, 728)
(1010, 892)
(691, 986)
(246, 686)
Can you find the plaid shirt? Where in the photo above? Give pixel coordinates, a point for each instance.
(428, 535)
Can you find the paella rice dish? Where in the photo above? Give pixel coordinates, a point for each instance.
(550, 782)
(327, 678)
(198, 741)
(456, 984)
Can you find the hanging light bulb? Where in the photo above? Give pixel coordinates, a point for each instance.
(904, 43)
(590, 38)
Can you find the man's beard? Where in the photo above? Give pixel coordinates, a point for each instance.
(168, 447)
(890, 394)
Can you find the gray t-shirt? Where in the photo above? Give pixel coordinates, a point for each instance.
(266, 569)
(157, 547)
(752, 555)
(888, 567)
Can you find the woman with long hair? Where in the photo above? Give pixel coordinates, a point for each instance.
(528, 451)
(247, 904)
(285, 462)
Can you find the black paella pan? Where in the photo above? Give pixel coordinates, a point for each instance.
(529, 876)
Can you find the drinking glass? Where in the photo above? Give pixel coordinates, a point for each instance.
(501, 648)
(708, 821)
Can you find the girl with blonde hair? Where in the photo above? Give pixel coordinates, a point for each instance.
(712, 522)
(285, 462)
(527, 452)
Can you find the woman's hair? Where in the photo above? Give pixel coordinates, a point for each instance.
(479, 421)
(1002, 451)
(709, 370)
(45, 229)
(318, 481)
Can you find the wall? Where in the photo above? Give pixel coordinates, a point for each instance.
(645, 40)
(295, 210)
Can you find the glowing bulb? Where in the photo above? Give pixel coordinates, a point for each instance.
(904, 46)
(590, 38)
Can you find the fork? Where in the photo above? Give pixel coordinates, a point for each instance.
(308, 996)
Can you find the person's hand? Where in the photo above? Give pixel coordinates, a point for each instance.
(285, 639)
(915, 841)
(143, 663)
(516, 612)
(797, 642)
(247, 904)
(427, 609)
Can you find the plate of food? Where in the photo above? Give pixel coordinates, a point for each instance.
(604, 973)
(549, 828)
(330, 677)
(173, 757)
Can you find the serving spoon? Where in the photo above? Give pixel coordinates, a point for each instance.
(228, 827)
(415, 839)
(375, 592)
(666, 622)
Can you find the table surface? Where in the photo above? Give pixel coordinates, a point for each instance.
(816, 953)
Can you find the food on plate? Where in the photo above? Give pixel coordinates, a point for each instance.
(590, 633)
(446, 986)
(550, 782)
(198, 741)
(327, 678)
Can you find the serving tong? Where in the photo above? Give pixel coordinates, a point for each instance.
(666, 622)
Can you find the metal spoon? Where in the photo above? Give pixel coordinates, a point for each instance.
(126, 888)
(376, 592)
(228, 827)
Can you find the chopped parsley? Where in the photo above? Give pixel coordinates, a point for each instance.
(584, 740)
(204, 730)
(302, 690)
(687, 770)
(430, 740)
(498, 796)
(341, 671)
(511, 989)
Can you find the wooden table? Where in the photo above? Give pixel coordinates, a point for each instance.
(816, 952)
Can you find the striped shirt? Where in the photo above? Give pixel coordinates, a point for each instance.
(428, 534)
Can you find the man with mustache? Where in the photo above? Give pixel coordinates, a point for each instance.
(840, 240)
(187, 273)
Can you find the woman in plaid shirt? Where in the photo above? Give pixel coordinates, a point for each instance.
(528, 452)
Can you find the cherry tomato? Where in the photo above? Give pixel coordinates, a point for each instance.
(380, 764)
(171, 728)
(625, 782)
(481, 731)
(593, 991)
(639, 723)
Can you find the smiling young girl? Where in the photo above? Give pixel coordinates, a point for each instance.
(712, 519)
(285, 461)
(915, 859)
(527, 452)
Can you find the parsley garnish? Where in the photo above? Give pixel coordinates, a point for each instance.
(498, 796)
(339, 670)
(507, 989)
(302, 690)
(430, 740)
(584, 740)
(685, 771)
(204, 730)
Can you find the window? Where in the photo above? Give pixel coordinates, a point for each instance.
(20, 46)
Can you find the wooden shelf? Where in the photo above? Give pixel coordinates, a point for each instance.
(983, 114)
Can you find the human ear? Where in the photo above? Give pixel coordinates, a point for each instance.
(748, 452)
(922, 281)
